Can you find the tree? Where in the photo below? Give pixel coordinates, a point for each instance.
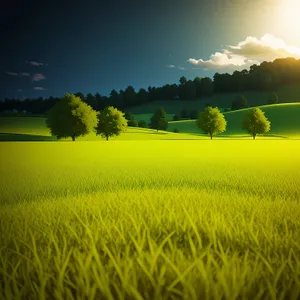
(111, 122)
(98, 102)
(128, 116)
(239, 102)
(129, 96)
(91, 100)
(207, 86)
(80, 95)
(193, 114)
(133, 123)
(273, 99)
(190, 91)
(1, 106)
(211, 121)
(142, 96)
(176, 118)
(255, 122)
(184, 114)
(181, 88)
(159, 120)
(182, 80)
(197, 83)
(142, 124)
(71, 117)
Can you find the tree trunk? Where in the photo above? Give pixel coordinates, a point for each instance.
(73, 138)
(211, 136)
(254, 135)
(107, 137)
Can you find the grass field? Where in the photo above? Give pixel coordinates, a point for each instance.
(285, 122)
(150, 219)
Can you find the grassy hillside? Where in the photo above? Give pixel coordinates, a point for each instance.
(146, 117)
(286, 94)
(34, 129)
(285, 121)
(150, 220)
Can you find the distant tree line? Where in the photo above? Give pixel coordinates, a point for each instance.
(263, 77)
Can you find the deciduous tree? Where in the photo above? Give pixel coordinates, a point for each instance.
(255, 122)
(159, 120)
(111, 122)
(211, 121)
(273, 99)
(71, 117)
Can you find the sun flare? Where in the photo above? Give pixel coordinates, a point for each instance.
(289, 16)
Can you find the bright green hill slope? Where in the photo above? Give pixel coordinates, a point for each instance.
(287, 94)
(34, 129)
(146, 117)
(285, 121)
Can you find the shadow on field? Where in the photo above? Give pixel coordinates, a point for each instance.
(18, 137)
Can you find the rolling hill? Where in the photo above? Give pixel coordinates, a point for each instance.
(285, 121)
(34, 129)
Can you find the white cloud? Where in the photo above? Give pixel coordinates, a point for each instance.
(39, 88)
(248, 52)
(35, 63)
(11, 73)
(17, 74)
(181, 68)
(170, 66)
(268, 47)
(19, 90)
(38, 77)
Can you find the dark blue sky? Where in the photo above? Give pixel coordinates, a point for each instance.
(95, 46)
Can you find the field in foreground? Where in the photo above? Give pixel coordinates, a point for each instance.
(150, 220)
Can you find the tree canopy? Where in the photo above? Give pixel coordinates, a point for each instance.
(71, 117)
(111, 122)
(211, 121)
(273, 99)
(142, 123)
(159, 120)
(240, 102)
(255, 122)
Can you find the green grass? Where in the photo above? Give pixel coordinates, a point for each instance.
(146, 117)
(34, 129)
(150, 220)
(285, 122)
(286, 94)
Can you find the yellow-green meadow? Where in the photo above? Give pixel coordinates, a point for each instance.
(150, 219)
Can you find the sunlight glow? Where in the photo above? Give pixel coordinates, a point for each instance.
(289, 17)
